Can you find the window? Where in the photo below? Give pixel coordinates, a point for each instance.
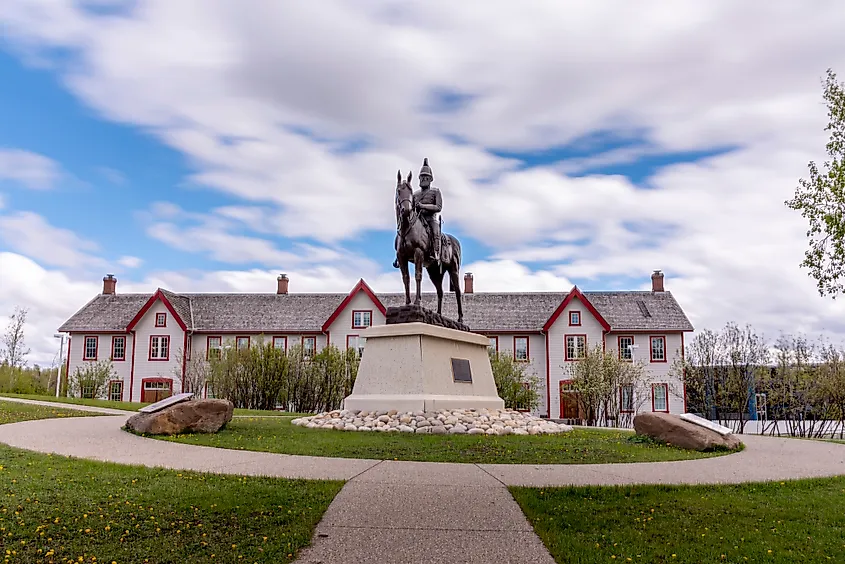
(575, 318)
(576, 347)
(658, 349)
(116, 391)
(161, 320)
(118, 348)
(361, 319)
(159, 347)
(242, 343)
(493, 344)
(87, 391)
(659, 397)
(215, 344)
(355, 342)
(280, 343)
(520, 348)
(625, 353)
(626, 399)
(90, 352)
(309, 346)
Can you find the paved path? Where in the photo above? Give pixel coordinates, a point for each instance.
(395, 511)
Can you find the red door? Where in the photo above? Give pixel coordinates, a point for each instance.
(156, 389)
(568, 401)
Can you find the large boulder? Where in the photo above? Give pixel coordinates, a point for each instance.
(195, 416)
(675, 431)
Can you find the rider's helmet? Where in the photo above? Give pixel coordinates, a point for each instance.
(426, 170)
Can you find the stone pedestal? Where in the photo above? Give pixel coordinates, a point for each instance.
(421, 367)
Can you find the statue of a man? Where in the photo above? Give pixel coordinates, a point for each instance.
(429, 203)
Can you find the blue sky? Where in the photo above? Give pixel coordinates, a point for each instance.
(202, 148)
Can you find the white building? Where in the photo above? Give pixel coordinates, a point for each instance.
(145, 335)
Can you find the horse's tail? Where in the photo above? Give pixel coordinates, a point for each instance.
(456, 250)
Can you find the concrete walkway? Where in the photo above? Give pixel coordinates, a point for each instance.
(393, 511)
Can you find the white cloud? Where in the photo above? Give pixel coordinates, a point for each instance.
(31, 234)
(28, 169)
(230, 88)
(130, 261)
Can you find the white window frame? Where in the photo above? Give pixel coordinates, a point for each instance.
(516, 349)
(665, 390)
(162, 345)
(362, 322)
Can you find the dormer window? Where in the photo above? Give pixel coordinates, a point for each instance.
(161, 320)
(575, 318)
(361, 319)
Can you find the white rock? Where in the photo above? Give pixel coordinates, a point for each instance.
(423, 430)
(406, 429)
(520, 431)
(438, 430)
(350, 427)
(490, 432)
(383, 418)
(475, 431)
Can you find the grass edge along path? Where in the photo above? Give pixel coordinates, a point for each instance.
(135, 406)
(580, 446)
(772, 522)
(60, 509)
(13, 412)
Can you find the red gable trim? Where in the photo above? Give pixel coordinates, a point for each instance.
(157, 296)
(576, 293)
(361, 286)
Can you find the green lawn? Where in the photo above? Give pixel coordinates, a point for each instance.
(135, 406)
(780, 522)
(55, 509)
(13, 412)
(578, 447)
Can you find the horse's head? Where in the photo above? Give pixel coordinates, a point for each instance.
(404, 193)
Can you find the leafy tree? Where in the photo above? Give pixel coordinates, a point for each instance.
(821, 199)
(14, 350)
(597, 381)
(91, 379)
(514, 385)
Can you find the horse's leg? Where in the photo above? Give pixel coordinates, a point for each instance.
(453, 275)
(436, 276)
(406, 279)
(418, 268)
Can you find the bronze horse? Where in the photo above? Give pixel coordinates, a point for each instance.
(415, 245)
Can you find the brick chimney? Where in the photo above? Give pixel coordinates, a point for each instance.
(657, 281)
(109, 284)
(283, 284)
(468, 283)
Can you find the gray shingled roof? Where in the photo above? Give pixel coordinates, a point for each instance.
(295, 313)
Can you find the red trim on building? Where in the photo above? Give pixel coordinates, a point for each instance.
(85, 347)
(285, 348)
(159, 295)
(684, 372)
(666, 395)
(576, 293)
(163, 317)
(354, 311)
(114, 358)
(347, 339)
(576, 311)
(132, 367)
(248, 341)
(566, 347)
(184, 358)
(361, 286)
(527, 348)
(619, 346)
(548, 381)
(208, 345)
(150, 350)
(651, 348)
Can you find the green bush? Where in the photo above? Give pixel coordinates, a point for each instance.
(23, 380)
(263, 377)
(91, 379)
(516, 387)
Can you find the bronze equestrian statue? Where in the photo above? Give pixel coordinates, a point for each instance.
(419, 239)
